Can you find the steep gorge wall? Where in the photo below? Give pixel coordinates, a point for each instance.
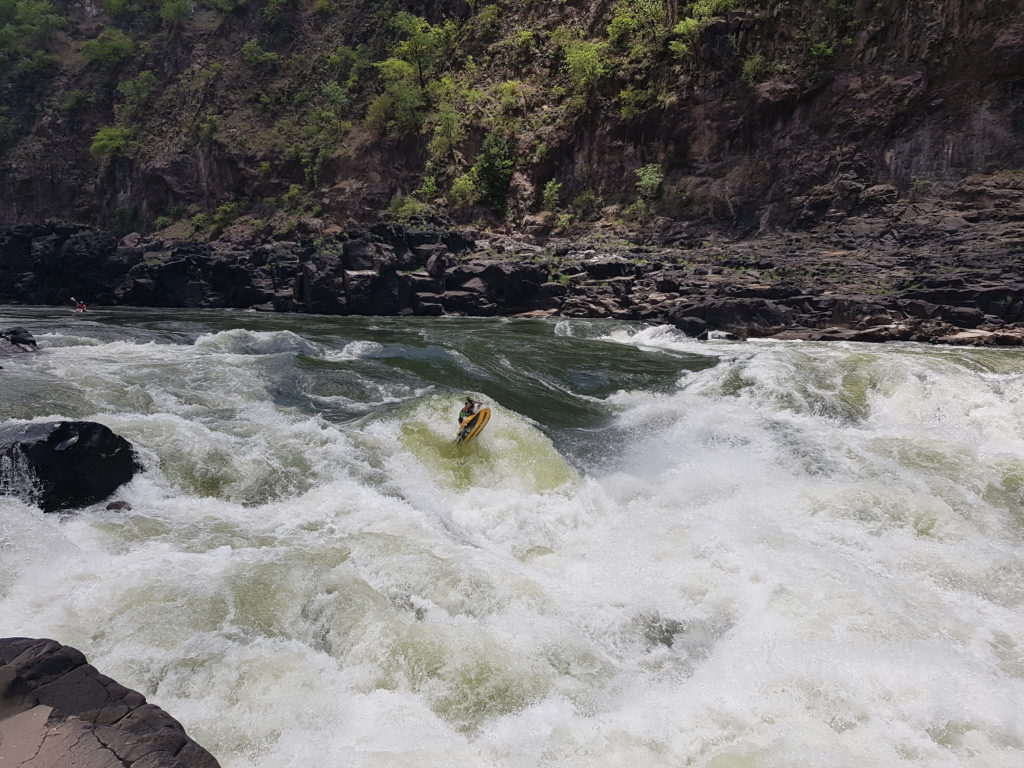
(925, 95)
(914, 94)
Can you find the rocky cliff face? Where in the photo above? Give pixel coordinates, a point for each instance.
(760, 114)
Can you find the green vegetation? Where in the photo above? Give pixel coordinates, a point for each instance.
(111, 48)
(111, 140)
(174, 12)
(636, 211)
(632, 102)
(462, 102)
(588, 205)
(493, 172)
(137, 93)
(254, 56)
(648, 180)
(586, 64)
(407, 208)
(638, 27)
(25, 29)
(552, 200)
(463, 192)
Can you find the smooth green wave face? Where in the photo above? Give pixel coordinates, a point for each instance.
(659, 551)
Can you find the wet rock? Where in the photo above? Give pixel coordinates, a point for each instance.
(65, 464)
(693, 327)
(755, 317)
(58, 711)
(16, 340)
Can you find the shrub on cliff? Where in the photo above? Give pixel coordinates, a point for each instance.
(586, 64)
(110, 140)
(637, 27)
(463, 191)
(493, 172)
(648, 180)
(173, 12)
(109, 49)
(552, 196)
(254, 56)
(27, 24)
(137, 92)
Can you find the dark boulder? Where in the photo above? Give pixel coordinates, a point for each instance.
(602, 268)
(15, 340)
(64, 464)
(58, 711)
(693, 327)
(743, 317)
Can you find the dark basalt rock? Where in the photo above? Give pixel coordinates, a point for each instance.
(15, 340)
(64, 465)
(58, 711)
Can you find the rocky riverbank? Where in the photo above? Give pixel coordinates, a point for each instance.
(946, 272)
(58, 711)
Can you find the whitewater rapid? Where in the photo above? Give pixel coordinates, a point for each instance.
(721, 554)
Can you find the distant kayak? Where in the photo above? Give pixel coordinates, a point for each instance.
(471, 426)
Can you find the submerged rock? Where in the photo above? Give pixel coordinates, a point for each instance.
(58, 711)
(64, 464)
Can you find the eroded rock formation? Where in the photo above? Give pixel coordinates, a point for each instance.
(58, 711)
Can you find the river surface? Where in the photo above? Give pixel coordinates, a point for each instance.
(660, 552)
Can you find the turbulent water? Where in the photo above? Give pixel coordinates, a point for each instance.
(660, 552)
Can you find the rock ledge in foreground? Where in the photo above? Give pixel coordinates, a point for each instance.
(58, 711)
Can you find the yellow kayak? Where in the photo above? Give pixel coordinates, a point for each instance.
(471, 426)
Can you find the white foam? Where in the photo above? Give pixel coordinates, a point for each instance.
(807, 554)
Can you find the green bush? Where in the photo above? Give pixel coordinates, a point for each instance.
(648, 180)
(162, 222)
(588, 205)
(71, 101)
(173, 12)
(294, 199)
(756, 69)
(552, 196)
(109, 49)
(25, 25)
(274, 8)
(493, 171)
(200, 222)
(400, 108)
(111, 140)
(822, 52)
(448, 133)
(637, 26)
(207, 126)
(463, 192)
(633, 102)
(424, 45)
(333, 93)
(407, 208)
(709, 9)
(137, 92)
(428, 189)
(635, 211)
(254, 56)
(586, 64)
